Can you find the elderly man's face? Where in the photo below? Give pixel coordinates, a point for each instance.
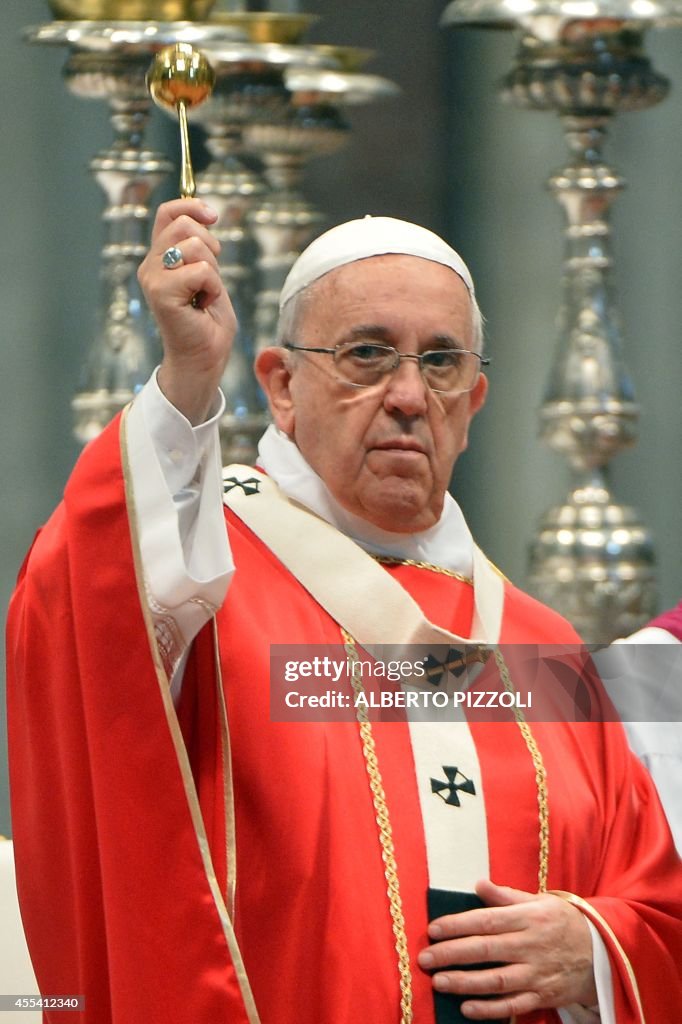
(385, 452)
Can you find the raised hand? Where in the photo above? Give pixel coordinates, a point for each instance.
(190, 305)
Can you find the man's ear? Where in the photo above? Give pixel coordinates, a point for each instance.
(477, 399)
(479, 394)
(273, 374)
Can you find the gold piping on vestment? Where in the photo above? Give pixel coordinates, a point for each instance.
(589, 911)
(389, 560)
(180, 748)
(385, 837)
(228, 791)
(540, 777)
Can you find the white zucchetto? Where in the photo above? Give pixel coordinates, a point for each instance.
(369, 236)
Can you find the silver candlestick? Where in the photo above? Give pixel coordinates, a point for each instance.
(592, 558)
(316, 125)
(260, 131)
(284, 221)
(109, 60)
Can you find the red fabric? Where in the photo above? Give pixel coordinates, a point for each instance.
(105, 847)
(605, 836)
(114, 894)
(670, 621)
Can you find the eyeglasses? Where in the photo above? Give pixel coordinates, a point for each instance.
(365, 364)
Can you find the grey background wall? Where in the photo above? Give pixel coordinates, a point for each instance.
(447, 154)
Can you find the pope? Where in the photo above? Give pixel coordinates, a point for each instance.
(183, 856)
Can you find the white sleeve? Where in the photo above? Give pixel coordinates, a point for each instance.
(604, 1012)
(649, 635)
(641, 675)
(175, 472)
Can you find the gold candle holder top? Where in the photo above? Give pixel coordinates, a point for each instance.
(265, 26)
(348, 58)
(179, 78)
(131, 10)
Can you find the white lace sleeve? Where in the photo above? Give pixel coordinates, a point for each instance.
(177, 491)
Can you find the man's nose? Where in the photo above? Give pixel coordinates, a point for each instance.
(406, 390)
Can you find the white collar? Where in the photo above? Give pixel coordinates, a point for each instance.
(447, 544)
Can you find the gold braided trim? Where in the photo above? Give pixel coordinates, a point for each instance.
(384, 822)
(385, 837)
(389, 560)
(540, 776)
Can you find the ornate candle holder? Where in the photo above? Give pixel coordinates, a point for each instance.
(260, 131)
(592, 558)
(316, 125)
(108, 61)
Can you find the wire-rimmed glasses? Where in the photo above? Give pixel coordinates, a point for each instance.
(364, 364)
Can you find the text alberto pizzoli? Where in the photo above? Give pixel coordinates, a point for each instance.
(318, 669)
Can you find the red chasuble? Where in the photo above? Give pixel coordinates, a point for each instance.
(177, 872)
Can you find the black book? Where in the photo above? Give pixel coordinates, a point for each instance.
(441, 902)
